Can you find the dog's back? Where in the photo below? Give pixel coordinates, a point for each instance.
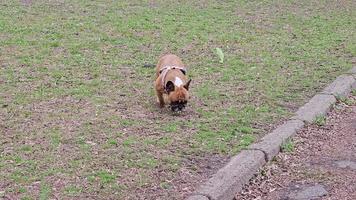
(168, 60)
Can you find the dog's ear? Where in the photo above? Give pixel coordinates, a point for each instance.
(186, 86)
(169, 86)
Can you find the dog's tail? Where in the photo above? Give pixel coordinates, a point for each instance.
(147, 65)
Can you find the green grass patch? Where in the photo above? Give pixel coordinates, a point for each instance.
(105, 177)
(55, 137)
(129, 141)
(26, 148)
(72, 190)
(346, 100)
(320, 120)
(288, 146)
(353, 92)
(45, 191)
(170, 127)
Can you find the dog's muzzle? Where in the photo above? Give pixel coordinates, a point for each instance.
(178, 105)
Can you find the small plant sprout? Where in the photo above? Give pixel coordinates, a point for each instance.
(345, 100)
(320, 120)
(353, 92)
(287, 146)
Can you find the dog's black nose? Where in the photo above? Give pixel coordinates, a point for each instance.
(178, 105)
(175, 108)
(181, 106)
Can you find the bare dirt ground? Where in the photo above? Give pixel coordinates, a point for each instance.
(322, 164)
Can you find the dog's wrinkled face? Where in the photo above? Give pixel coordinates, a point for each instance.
(178, 96)
(178, 105)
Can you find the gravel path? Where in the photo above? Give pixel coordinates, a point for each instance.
(320, 165)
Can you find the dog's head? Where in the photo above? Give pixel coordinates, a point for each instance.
(178, 95)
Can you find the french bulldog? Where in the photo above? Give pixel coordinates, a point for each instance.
(171, 83)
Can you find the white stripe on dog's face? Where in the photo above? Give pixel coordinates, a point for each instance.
(178, 82)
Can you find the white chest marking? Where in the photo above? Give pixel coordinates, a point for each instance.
(178, 82)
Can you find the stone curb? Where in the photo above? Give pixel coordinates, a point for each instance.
(340, 87)
(230, 179)
(319, 105)
(270, 144)
(352, 71)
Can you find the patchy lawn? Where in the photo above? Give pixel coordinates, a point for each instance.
(78, 117)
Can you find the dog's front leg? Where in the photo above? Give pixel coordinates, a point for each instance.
(160, 98)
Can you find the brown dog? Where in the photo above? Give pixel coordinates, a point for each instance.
(171, 82)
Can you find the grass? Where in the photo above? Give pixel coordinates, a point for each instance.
(76, 105)
(72, 190)
(288, 146)
(45, 191)
(320, 120)
(345, 100)
(105, 177)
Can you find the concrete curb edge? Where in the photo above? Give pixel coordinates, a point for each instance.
(230, 179)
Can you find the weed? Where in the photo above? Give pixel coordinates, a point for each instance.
(288, 146)
(320, 120)
(353, 92)
(22, 190)
(345, 100)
